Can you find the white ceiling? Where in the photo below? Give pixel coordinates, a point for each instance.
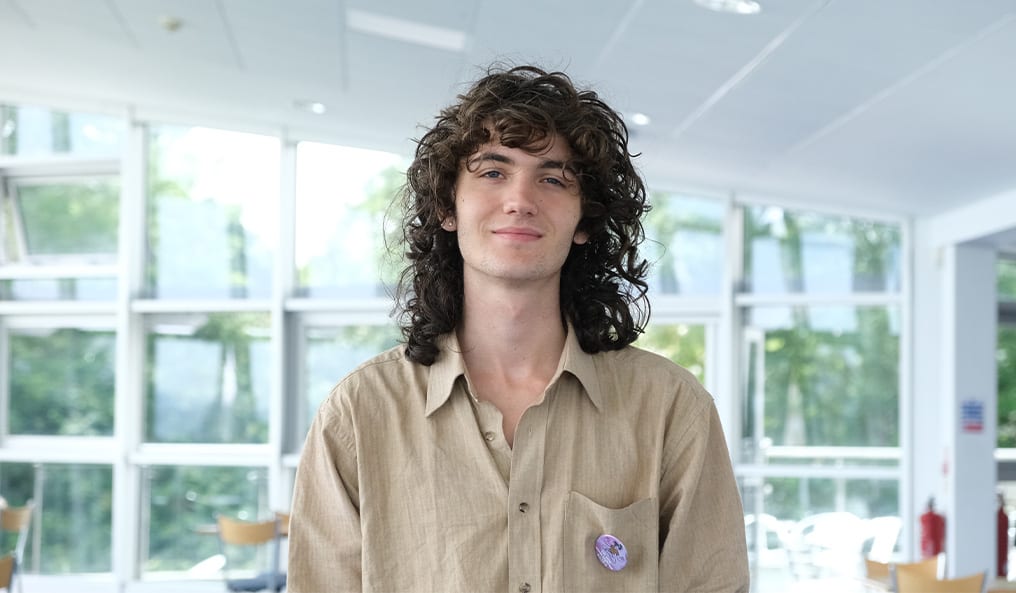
(899, 106)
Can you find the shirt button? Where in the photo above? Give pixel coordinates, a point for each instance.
(489, 436)
(525, 588)
(523, 507)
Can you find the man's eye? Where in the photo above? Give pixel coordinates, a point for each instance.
(491, 174)
(555, 181)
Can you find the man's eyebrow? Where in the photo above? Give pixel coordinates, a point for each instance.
(500, 158)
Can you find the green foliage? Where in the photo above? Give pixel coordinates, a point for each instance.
(1006, 357)
(78, 510)
(62, 382)
(70, 218)
(682, 343)
(185, 499)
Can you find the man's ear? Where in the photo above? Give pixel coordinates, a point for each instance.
(580, 237)
(448, 223)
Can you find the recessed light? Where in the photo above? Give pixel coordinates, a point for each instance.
(732, 6)
(315, 107)
(640, 119)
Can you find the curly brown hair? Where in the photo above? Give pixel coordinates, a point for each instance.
(603, 287)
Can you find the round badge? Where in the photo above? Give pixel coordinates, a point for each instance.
(611, 552)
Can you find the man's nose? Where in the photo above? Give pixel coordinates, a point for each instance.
(521, 197)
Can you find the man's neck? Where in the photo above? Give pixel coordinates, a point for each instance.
(511, 332)
(511, 344)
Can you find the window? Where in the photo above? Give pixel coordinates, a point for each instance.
(208, 378)
(31, 131)
(60, 237)
(212, 214)
(181, 503)
(819, 366)
(790, 252)
(61, 379)
(683, 343)
(685, 244)
(72, 531)
(342, 196)
(329, 353)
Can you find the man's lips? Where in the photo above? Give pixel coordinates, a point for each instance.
(518, 233)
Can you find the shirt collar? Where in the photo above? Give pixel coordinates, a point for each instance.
(449, 366)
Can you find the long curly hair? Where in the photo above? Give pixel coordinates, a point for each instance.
(603, 287)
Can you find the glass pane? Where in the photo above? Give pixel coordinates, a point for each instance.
(808, 528)
(342, 195)
(793, 252)
(58, 219)
(684, 244)
(181, 504)
(61, 381)
(73, 520)
(819, 376)
(27, 130)
(207, 378)
(1007, 279)
(212, 213)
(56, 289)
(682, 343)
(331, 353)
(1006, 357)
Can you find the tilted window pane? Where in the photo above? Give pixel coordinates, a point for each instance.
(794, 252)
(331, 353)
(342, 195)
(684, 244)
(819, 376)
(207, 378)
(807, 528)
(1006, 279)
(59, 220)
(180, 504)
(73, 518)
(30, 131)
(682, 343)
(212, 213)
(61, 381)
(58, 289)
(1006, 357)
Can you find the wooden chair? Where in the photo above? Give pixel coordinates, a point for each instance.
(257, 538)
(6, 571)
(16, 521)
(915, 582)
(926, 569)
(875, 570)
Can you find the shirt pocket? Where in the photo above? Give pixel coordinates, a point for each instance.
(636, 526)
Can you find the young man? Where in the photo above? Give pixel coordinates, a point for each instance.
(517, 442)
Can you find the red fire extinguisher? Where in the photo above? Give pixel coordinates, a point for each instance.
(1002, 538)
(932, 531)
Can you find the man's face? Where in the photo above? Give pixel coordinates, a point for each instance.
(516, 213)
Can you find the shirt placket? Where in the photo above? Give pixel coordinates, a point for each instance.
(524, 495)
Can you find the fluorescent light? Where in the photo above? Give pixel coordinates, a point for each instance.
(733, 6)
(403, 30)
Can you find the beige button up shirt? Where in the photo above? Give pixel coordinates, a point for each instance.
(406, 483)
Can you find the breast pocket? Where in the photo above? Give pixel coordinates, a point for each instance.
(635, 527)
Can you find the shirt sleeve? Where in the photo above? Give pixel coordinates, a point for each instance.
(702, 539)
(324, 533)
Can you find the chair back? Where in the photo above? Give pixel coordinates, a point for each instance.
(915, 582)
(876, 571)
(927, 568)
(6, 571)
(17, 521)
(260, 539)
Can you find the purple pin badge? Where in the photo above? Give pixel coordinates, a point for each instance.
(611, 552)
